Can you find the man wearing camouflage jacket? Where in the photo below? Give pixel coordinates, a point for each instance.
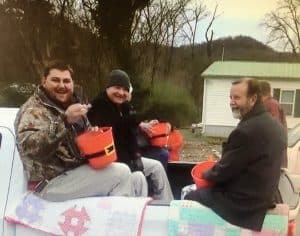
(46, 127)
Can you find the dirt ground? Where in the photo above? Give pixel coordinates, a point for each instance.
(197, 147)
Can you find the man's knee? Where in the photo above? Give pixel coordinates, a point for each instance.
(192, 195)
(139, 179)
(203, 196)
(157, 165)
(138, 176)
(121, 170)
(140, 186)
(159, 170)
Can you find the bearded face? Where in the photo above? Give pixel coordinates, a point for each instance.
(59, 86)
(240, 102)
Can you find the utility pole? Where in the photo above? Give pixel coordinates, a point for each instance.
(223, 51)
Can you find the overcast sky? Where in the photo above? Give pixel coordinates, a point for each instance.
(239, 17)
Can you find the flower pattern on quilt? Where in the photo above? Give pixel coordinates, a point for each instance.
(31, 208)
(75, 221)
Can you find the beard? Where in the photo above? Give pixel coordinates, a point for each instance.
(236, 113)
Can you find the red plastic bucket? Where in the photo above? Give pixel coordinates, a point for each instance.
(159, 134)
(98, 147)
(292, 228)
(197, 173)
(175, 144)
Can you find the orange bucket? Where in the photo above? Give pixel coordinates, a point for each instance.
(98, 147)
(159, 134)
(197, 173)
(174, 155)
(175, 144)
(291, 228)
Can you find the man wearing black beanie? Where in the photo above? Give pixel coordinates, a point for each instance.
(111, 108)
(118, 78)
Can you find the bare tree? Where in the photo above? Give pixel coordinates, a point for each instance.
(192, 17)
(209, 38)
(165, 23)
(113, 20)
(153, 30)
(28, 18)
(283, 25)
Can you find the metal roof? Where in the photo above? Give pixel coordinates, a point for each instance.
(270, 70)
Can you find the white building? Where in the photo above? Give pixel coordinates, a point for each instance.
(284, 78)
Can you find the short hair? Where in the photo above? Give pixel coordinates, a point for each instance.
(265, 87)
(253, 87)
(59, 65)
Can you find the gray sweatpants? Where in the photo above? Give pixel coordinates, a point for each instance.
(113, 180)
(158, 178)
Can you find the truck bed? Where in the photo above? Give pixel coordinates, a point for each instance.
(13, 186)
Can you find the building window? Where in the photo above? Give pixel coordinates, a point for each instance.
(287, 101)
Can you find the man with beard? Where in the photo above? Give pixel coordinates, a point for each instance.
(246, 177)
(46, 127)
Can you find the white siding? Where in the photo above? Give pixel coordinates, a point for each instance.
(216, 109)
(216, 115)
(287, 84)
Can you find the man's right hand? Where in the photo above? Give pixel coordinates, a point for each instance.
(76, 111)
(146, 126)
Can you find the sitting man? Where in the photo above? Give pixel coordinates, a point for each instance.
(155, 152)
(46, 127)
(276, 111)
(144, 144)
(111, 108)
(247, 175)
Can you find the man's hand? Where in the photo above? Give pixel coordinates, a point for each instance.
(94, 128)
(146, 126)
(76, 111)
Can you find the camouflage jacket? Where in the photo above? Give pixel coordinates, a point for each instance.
(45, 142)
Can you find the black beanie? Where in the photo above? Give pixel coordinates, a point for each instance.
(118, 78)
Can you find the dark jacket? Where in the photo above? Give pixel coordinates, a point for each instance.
(274, 108)
(247, 175)
(123, 122)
